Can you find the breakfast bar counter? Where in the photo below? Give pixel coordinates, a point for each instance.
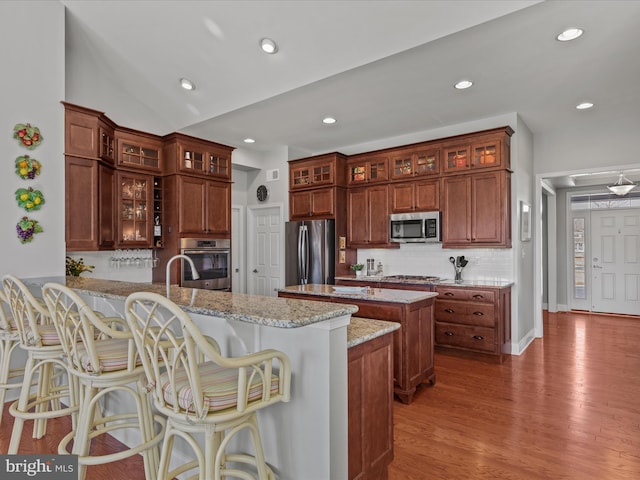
(305, 438)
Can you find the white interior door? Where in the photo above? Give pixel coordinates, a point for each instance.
(265, 244)
(615, 261)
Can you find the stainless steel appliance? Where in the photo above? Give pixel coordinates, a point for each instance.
(422, 227)
(212, 259)
(310, 252)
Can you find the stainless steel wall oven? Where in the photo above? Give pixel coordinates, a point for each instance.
(212, 258)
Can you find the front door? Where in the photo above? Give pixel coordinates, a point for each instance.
(265, 243)
(615, 261)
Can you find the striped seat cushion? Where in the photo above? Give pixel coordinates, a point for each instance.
(113, 355)
(48, 335)
(219, 386)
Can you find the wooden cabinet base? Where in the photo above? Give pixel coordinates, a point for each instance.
(370, 373)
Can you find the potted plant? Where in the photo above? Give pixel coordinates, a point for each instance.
(76, 267)
(358, 268)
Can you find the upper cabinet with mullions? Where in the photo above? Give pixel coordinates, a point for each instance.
(488, 151)
(190, 155)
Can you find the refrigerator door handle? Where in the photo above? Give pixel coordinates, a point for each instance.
(300, 272)
(305, 254)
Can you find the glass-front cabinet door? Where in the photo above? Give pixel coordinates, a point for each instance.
(218, 165)
(456, 158)
(134, 194)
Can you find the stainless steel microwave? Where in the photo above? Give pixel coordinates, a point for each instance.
(423, 227)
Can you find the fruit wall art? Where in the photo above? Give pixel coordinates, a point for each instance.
(27, 228)
(28, 136)
(29, 199)
(28, 168)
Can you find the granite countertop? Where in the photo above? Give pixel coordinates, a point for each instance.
(362, 330)
(261, 310)
(373, 294)
(442, 281)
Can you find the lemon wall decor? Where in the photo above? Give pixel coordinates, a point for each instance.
(29, 199)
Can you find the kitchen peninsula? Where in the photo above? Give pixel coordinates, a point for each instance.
(305, 438)
(413, 343)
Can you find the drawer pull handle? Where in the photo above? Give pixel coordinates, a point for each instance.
(478, 313)
(478, 296)
(448, 294)
(448, 310)
(448, 333)
(478, 337)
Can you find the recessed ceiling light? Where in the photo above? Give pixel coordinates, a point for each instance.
(569, 34)
(268, 46)
(187, 84)
(462, 84)
(249, 140)
(584, 105)
(329, 120)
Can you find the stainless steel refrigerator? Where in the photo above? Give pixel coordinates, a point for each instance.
(310, 251)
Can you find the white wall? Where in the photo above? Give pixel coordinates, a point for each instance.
(522, 293)
(31, 88)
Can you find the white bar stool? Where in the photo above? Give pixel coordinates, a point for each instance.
(9, 341)
(45, 366)
(102, 356)
(202, 392)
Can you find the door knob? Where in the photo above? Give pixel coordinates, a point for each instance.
(255, 270)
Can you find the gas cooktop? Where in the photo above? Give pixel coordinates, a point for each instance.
(421, 278)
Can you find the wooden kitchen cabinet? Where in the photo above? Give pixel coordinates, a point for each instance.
(138, 150)
(316, 203)
(368, 217)
(135, 210)
(319, 171)
(474, 319)
(88, 133)
(414, 196)
(367, 169)
(415, 163)
(476, 210)
(479, 151)
(190, 155)
(89, 205)
(370, 377)
(204, 206)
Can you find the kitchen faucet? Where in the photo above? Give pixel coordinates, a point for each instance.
(194, 271)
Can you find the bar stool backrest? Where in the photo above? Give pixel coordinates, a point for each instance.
(29, 313)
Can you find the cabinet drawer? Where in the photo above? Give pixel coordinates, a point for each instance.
(454, 293)
(467, 337)
(467, 313)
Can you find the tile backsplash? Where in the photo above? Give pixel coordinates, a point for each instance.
(432, 259)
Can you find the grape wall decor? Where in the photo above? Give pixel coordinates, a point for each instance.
(29, 199)
(27, 136)
(27, 168)
(27, 228)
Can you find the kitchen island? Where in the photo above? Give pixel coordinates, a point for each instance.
(413, 343)
(306, 438)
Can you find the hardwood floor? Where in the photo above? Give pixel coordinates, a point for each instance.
(568, 408)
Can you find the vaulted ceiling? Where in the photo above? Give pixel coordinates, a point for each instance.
(382, 68)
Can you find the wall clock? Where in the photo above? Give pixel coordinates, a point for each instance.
(262, 193)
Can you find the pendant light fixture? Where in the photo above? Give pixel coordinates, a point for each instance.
(622, 186)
